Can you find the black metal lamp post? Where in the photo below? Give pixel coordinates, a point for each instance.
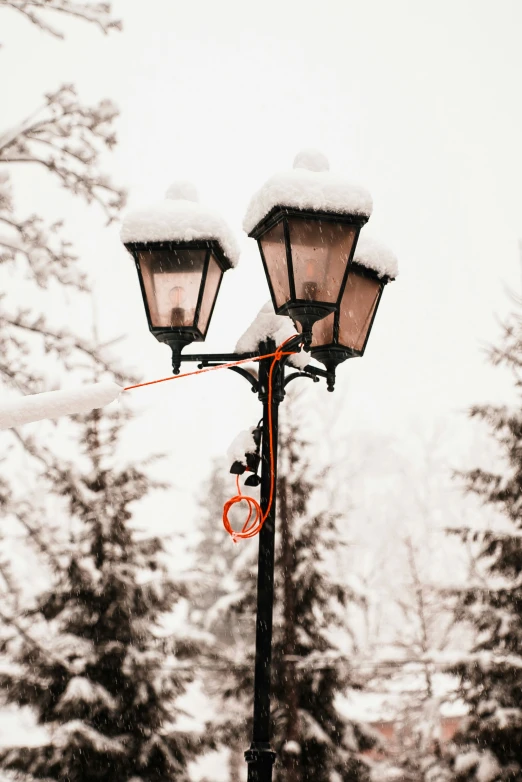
(307, 225)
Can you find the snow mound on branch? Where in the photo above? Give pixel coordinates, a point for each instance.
(221, 608)
(309, 185)
(376, 256)
(292, 747)
(486, 660)
(466, 762)
(312, 730)
(54, 404)
(78, 733)
(179, 218)
(488, 769)
(386, 773)
(242, 444)
(16, 721)
(83, 690)
(268, 325)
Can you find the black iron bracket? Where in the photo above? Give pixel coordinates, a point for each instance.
(248, 376)
(208, 360)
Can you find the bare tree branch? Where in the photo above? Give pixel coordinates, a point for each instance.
(61, 342)
(35, 11)
(67, 138)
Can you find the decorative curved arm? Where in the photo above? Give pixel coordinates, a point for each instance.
(295, 375)
(217, 359)
(248, 376)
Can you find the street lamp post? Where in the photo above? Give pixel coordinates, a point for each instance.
(307, 223)
(260, 757)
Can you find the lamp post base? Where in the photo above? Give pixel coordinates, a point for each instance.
(260, 758)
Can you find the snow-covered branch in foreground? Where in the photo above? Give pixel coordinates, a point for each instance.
(67, 139)
(35, 11)
(55, 404)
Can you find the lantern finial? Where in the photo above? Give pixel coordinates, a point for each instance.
(182, 191)
(311, 160)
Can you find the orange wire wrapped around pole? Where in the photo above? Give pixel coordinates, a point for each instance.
(252, 527)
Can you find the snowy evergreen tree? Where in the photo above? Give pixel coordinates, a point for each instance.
(489, 747)
(313, 742)
(214, 558)
(214, 565)
(92, 656)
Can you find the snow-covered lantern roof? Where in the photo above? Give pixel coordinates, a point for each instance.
(307, 222)
(181, 250)
(344, 334)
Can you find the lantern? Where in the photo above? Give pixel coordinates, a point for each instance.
(307, 223)
(181, 251)
(344, 334)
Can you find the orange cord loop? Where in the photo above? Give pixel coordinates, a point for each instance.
(252, 525)
(256, 518)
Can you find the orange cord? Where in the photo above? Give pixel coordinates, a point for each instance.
(206, 369)
(251, 527)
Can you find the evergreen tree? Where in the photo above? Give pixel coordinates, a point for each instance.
(313, 742)
(489, 747)
(91, 656)
(214, 559)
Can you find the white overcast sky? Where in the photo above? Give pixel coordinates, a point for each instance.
(417, 101)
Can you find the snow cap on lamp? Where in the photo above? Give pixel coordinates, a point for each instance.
(375, 256)
(308, 185)
(179, 218)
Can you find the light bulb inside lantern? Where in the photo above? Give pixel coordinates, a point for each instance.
(310, 285)
(177, 313)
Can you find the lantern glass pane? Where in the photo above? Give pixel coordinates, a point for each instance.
(172, 279)
(320, 252)
(274, 250)
(323, 331)
(212, 281)
(358, 304)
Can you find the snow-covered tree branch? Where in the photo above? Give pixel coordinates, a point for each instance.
(67, 138)
(36, 11)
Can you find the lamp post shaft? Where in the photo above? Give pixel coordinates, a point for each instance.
(260, 757)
